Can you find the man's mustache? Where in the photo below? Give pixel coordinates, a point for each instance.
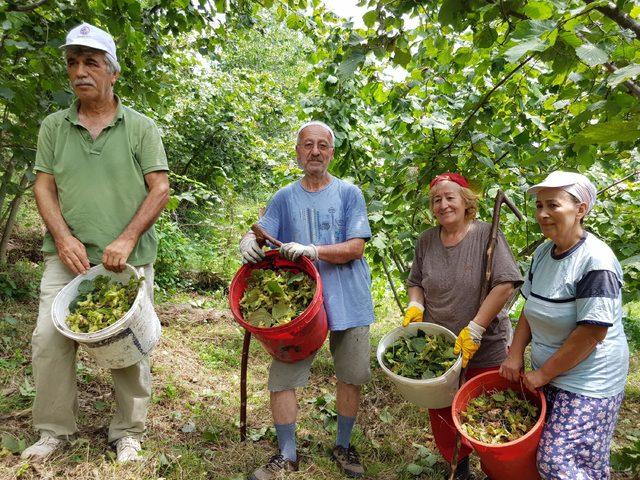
(79, 83)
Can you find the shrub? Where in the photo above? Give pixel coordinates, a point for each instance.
(20, 280)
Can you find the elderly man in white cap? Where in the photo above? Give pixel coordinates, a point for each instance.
(325, 219)
(573, 319)
(101, 184)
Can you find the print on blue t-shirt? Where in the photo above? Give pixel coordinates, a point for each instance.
(335, 214)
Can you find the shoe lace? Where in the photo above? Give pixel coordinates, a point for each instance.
(49, 441)
(128, 442)
(352, 456)
(277, 462)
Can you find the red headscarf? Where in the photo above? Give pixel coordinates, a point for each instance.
(451, 177)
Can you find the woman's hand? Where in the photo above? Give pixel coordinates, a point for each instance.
(512, 368)
(534, 380)
(415, 313)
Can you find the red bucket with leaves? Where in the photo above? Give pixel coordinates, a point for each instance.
(503, 461)
(297, 339)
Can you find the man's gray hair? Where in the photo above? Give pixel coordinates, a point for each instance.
(320, 124)
(112, 64)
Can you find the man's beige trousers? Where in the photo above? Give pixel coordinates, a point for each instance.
(54, 371)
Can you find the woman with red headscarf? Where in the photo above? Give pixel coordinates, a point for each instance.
(444, 288)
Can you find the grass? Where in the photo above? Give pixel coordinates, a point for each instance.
(194, 417)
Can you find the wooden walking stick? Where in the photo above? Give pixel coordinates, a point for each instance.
(501, 198)
(261, 236)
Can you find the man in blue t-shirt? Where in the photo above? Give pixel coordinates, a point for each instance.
(325, 219)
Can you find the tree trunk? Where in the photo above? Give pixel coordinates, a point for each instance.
(13, 213)
(4, 185)
(402, 268)
(391, 284)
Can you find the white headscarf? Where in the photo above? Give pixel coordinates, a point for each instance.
(574, 183)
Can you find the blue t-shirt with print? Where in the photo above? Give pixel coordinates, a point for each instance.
(578, 287)
(335, 214)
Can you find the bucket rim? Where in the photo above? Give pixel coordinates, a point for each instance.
(532, 431)
(107, 332)
(406, 332)
(317, 296)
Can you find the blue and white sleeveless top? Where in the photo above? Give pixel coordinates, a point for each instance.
(581, 286)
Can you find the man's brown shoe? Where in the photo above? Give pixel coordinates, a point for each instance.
(348, 461)
(276, 464)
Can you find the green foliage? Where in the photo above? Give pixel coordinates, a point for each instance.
(173, 252)
(275, 297)
(19, 280)
(325, 411)
(498, 417)
(503, 92)
(628, 458)
(421, 356)
(33, 77)
(223, 100)
(13, 444)
(424, 462)
(631, 323)
(101, 302)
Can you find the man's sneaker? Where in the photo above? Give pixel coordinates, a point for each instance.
(347, 459)
(128, 449)
(42, 448)
(276, 464)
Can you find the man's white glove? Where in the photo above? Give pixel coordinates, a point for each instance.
(251, 251)
(293, 251)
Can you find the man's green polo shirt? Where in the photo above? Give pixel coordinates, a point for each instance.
(101, 182)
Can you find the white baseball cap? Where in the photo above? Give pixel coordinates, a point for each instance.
(575, 183)
(87, 35)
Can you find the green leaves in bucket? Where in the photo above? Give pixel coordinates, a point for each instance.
(275, 297)
(101, 302)
(420, 357)
(498, 417)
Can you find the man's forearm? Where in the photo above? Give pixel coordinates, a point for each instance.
(340, 253)
(147, 213)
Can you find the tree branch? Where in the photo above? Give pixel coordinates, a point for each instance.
(390, 281)
(481, 103)
(618, 181)
(26, 8)
(632, 87)
(618, 16)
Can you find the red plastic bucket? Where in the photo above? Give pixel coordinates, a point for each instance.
(303, 335)
(505, 461)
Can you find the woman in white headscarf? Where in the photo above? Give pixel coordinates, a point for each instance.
(573, 319)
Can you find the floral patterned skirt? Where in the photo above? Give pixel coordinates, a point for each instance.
(576, 439)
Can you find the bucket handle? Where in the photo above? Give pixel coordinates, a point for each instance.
(145, 284)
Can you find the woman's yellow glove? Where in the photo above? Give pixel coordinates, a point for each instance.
(468, 341)
(415, 312)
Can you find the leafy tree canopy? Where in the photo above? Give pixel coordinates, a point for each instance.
(503, 92)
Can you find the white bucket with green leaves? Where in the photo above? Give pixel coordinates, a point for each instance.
(435, 392)
(125, 342)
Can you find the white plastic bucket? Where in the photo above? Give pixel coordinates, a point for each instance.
(123, 343)
(430, 393)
